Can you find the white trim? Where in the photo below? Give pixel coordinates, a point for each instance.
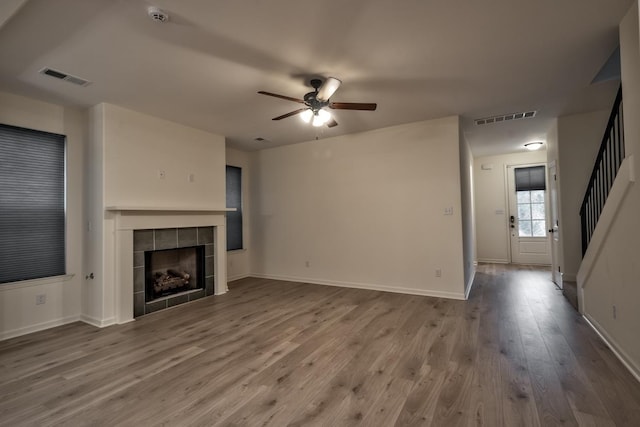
(470, 284)
(35, 282)
(94, 321)
(5, 335)
(169, 208)
(611, 343)
(368, 286)
(622, 183)
(493, 261)
(238, 277)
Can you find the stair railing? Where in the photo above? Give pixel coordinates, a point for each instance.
(604, 172)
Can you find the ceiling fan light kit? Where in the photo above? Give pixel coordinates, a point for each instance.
(317, 101)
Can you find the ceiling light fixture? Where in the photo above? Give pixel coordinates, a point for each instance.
(532, 146)
(306, 116)
(320, 117)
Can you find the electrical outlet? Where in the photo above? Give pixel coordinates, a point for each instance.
(41, 299)
(438, 272)
(162, 174)
(448, 211)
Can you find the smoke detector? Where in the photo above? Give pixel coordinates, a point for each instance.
(157, 14)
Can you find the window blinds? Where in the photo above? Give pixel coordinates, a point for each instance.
(530, 179)
(32, 204)
(234, 200)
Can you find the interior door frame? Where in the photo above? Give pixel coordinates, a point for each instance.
(508, 169)
(556, 237)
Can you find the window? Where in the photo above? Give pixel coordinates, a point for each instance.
(32, 204)
(234, 200)
(530, 194)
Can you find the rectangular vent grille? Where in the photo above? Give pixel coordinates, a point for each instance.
(64, 76)
(505, 118)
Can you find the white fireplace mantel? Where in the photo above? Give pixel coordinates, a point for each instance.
(168, 209)
(123, 220)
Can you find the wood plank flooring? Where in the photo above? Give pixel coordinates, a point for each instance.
(278, 353)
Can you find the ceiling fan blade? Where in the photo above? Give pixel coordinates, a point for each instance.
(328, 88)
(332, 123)
(288, 98)
(353, 106)
(293, 113)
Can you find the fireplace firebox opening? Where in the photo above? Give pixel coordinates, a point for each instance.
(173, 271)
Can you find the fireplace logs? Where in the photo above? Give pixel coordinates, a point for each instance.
(170, 280)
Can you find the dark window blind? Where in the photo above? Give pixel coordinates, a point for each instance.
(234, 200)
(530, 179)
(32, 204)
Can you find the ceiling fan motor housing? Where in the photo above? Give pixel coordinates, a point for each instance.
(311, 99)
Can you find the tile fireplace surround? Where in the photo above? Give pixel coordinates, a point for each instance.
(125, 220)
(170, 238)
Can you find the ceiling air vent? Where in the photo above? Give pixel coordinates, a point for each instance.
(505, 118)
(64, 76)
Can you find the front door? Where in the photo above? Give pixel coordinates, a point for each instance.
(528, 215)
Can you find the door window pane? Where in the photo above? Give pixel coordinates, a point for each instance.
(524, 211)
(538, 229)
(531, 213)
(524, 228)
(537, 196)
(523, 197)
(537, 211)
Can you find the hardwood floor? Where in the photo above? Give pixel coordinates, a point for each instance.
(277, 353)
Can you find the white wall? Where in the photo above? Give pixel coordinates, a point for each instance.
(239, 262)
(491, 203)
(468, 214)
(128, 149)
(364, 210)
(138, 146)
(614, 278)
(579, 138)
(18, 311)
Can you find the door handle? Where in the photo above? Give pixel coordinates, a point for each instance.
(552, 230)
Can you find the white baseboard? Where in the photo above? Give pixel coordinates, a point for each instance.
(620, 354)
(493, 261)
(237, 277)
(368, 286)
(5, 335)
(99, 323)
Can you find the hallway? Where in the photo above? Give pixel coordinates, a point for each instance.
(548, 351)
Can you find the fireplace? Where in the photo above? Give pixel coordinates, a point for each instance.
(173, 271)
(171, 266)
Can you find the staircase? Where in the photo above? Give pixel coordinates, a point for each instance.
(607, 164)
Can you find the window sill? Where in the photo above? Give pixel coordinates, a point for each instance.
(236, 251)
(35, 282)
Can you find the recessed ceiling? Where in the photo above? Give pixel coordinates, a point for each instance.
(416, 60)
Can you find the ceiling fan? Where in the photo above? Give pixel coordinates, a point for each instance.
(317, 101)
